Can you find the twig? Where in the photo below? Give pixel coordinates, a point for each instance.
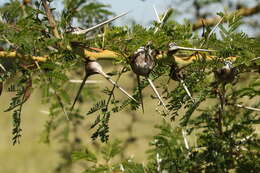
(51, 20)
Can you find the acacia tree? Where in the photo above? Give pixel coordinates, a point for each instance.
(42, 51)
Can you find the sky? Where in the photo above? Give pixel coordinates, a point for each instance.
(142, 11)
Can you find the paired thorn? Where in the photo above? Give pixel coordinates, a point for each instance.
(92, 68)
(165, 17)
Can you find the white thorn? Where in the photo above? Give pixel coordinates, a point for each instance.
(211, 32)
(87, 82)
(156, 92)
(187, 90)
(116, 85)
(194, 49)
(2, 67)
(84, 31)
(185, 139)
(254, 59)
(156, 13)
(247, 107)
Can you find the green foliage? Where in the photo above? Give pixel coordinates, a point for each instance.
(225, 131)
(84, 12)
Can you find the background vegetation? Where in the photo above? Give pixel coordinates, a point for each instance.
(215, 131)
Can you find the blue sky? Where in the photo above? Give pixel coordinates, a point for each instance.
(142, 11)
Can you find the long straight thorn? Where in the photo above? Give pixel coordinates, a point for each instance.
(187, 90)
(2, 67)
(116, 85)
(211, 32)
(156, 13)
(156, 92)
(185, 139)
(84, 31)
(215, 27)
(254, 59)
(194, 49)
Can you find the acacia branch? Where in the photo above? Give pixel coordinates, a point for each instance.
(110, 55)
(51, 20)
(14, 54)
(214, 20)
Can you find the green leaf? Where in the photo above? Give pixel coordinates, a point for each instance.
(84, 155)
(111, 150)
